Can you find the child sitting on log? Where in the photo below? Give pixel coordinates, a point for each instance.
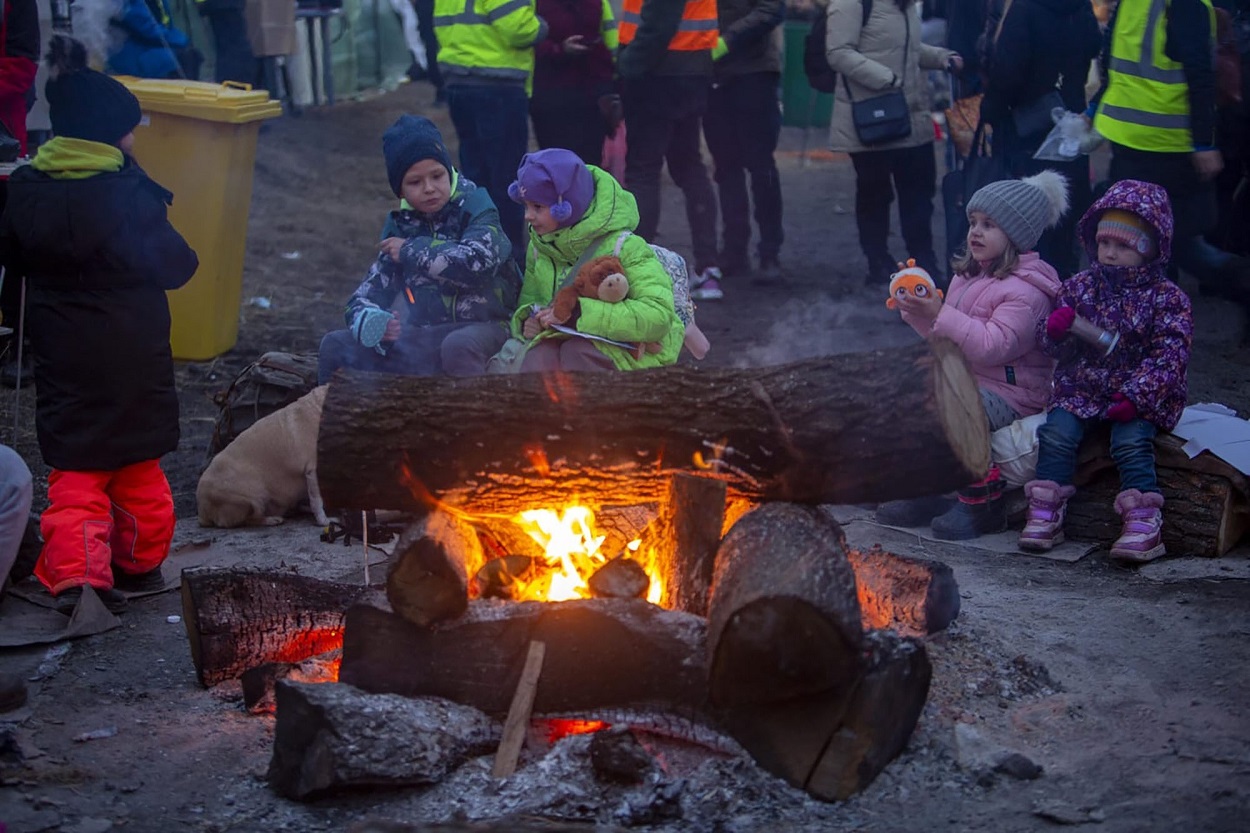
(1001, 290)
(444, 256)
(577, 212)
(1139, 385)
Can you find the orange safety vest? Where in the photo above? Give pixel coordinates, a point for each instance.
(697, 31)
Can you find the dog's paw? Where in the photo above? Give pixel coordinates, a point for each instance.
(273, 520)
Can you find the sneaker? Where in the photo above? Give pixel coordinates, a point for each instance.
(915, 512)
(1141, 535)
(150, 582)
(705, 285)
(67, 600)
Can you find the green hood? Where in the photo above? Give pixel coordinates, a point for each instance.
(612, 211)
(64, 158)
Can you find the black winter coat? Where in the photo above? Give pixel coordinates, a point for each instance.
(1041, 42)
(98, 254)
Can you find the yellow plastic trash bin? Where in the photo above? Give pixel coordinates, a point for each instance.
(199, 140)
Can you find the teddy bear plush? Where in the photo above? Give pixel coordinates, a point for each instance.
(602, 278)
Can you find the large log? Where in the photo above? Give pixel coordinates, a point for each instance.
(809, 432)
(784, 619)
(330, 737)
(685, 538)
(600, 652)
(239, 619)
(1206, 507)
(434, 560)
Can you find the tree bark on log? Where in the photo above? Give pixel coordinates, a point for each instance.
(600, 652)
(686, 536)
(239, 619)
(330, 737)
(804, 432)
(784, 619)
(434, 560)
(1206, 508)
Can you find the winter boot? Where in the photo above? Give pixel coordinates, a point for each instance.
(1140, 536)
(981, 510)
(150, 582)
(915, 512)
(1043, 526)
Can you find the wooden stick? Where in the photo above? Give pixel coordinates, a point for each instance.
(519, 713)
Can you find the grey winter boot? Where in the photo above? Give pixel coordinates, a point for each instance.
(1043, 526)
(1141, 534)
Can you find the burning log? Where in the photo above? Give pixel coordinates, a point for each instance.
(600, 652)
(783, 620)
(259, 682)
(687, 534)
(239, 619)
(434, 560)
(620, 578)
(329, 737)
(1207, 509)
(797, 432)
(912, 596)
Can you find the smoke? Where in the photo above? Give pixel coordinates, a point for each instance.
(807, 328)
(91, 26)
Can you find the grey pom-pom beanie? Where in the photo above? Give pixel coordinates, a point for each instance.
(1023, 208)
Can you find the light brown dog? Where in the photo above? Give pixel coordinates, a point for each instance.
(267, 470)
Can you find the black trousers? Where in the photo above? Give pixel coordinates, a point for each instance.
(571, 120)
(742, 126)
(232, 49)
(663, 116)
(879, 175)
(425, 26)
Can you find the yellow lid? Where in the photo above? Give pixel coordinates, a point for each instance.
(229, 102)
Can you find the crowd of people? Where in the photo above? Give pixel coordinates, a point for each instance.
(476, 254)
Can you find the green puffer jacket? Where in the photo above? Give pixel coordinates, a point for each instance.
(644, 315)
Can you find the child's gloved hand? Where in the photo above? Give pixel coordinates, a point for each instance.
(1059, 322)
(1121, 410)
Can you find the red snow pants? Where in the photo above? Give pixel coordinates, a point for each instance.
(98, 521)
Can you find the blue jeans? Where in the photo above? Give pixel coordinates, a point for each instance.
(460, 349)
(1132, 449)
(492, 124)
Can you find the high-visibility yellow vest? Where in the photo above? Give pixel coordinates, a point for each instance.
(491, 39)
(607, 27)
(698, 29)
(1146, 104)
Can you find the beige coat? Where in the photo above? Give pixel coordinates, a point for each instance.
(871, 60)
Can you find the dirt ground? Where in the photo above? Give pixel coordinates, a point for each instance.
(1129, 691)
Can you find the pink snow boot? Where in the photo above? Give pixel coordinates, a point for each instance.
(1043, 528)
(1141, 535)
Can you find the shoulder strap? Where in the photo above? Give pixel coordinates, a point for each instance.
(620, 242)
(587, 254)
(906, 45)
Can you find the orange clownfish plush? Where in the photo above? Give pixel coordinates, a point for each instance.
(910, 279)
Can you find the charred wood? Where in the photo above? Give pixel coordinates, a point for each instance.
(259, 682)
(239, 619)
(600, 652)
(912, 596)
(796, 432)
(685, 539)
(330, 737)
(433, 560)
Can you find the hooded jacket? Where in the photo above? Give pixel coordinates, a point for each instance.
(88, 229)
(994, 322)
(1152, 315)
(646, 314)
(454, 266)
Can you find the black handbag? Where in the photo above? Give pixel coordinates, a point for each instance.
(883, 118)
(1034, 118)
(974, 173)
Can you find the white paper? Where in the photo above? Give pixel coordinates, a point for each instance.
(1215, 428)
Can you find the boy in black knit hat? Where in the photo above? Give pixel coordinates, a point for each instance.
(444, 257)
(89, 230)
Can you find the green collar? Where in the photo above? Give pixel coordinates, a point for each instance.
(64, 158)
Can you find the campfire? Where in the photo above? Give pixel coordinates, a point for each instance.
(664, 586)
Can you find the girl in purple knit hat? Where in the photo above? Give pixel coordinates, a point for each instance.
(1139, 386)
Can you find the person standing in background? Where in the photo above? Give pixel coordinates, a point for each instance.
(665, 66)
(486, 55)
(231, 47)
(742, 126)
(575, 101)
(425, 25)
